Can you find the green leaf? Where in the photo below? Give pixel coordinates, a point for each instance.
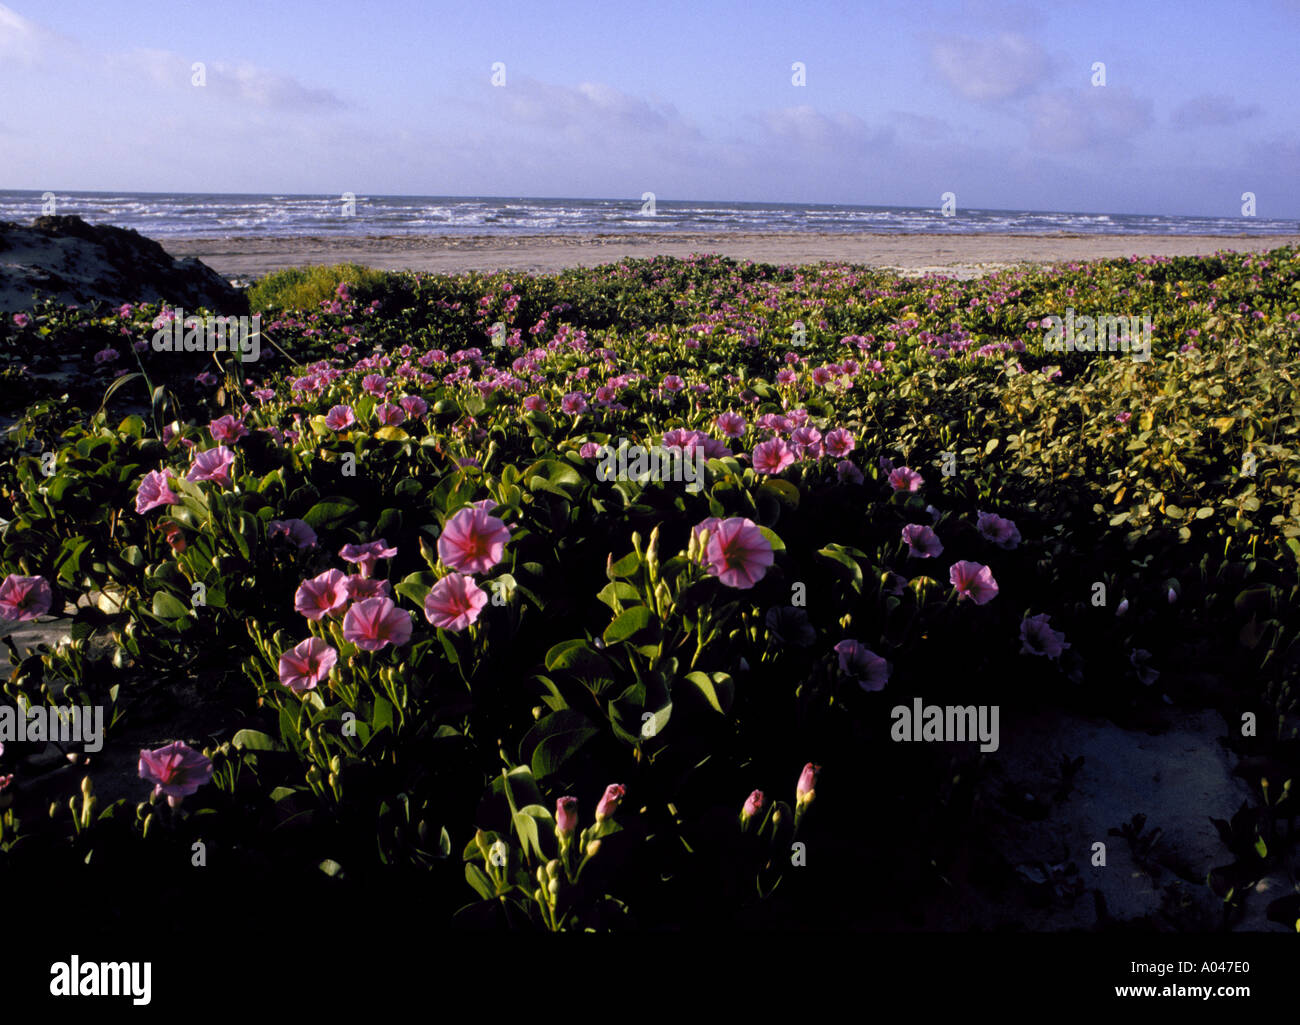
(627, 624)
(718, 690)
(478, 879)
(167, 607)
(330, 513)
(254, 740)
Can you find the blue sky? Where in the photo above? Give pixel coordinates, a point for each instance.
(903, 100)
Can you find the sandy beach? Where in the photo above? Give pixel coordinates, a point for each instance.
(959, 255)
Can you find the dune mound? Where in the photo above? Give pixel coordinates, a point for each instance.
(65, 258)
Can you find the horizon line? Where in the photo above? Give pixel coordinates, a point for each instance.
(631, 200)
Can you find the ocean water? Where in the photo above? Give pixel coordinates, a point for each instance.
(205, 215)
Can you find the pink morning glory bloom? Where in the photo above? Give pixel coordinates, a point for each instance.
(24, 598)
(922, 540)
(322, 595)
(454, 602)
(869, 669)
(307, 664)
(155, 491)
(473, 541)
(973, 580)
(905, 479)
(375, 623)
(773, 456)
(212, 465)
(737, 553)
(340, 418)
(365, 556)
(1038, 638)
(176, 771)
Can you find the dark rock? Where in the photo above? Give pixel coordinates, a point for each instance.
(66, 259)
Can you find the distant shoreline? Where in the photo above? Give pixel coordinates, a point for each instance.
(963, 255)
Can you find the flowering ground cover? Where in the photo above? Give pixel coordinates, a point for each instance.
(367, 611)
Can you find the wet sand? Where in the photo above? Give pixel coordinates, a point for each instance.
(959, 255)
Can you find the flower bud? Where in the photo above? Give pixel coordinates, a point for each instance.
(609, 803)
(806, 791)
(753, 806)
(566, 816)
(593, 848)
(1122, 607)
(553, 868)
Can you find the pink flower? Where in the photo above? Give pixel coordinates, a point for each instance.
(566, 815)
(673, 383)
(738, 554)
(922, 540)
(848, 473)
(24, 598)
(454, 602)
(772, 456)
(21, 319)
(473, 541)
(534, 404)
(574, 403)
(154, 491)
(839, 443)
(297, 531)
(973, 581)
(375, 384)
(589, 451)
(860, 662)
(1123, 418)
(754, 805)
(213, 465)
(806, 789)
(732, 425)
(610, 801)
(360, 588)
(307, 664)
(176, 770)
(807, 442)
(1038, 638)
(322, 595)
(376, 622)
(227, 429)
(1002, 533)
(340, 417)
(905, 479)
(415, 406)
(367, 555)
(1138, 659)
(389, 415)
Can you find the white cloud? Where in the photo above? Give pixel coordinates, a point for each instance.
(988, 70)
(1065, 119)
(1212, 112)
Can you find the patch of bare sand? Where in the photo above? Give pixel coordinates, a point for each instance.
(962, 255)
